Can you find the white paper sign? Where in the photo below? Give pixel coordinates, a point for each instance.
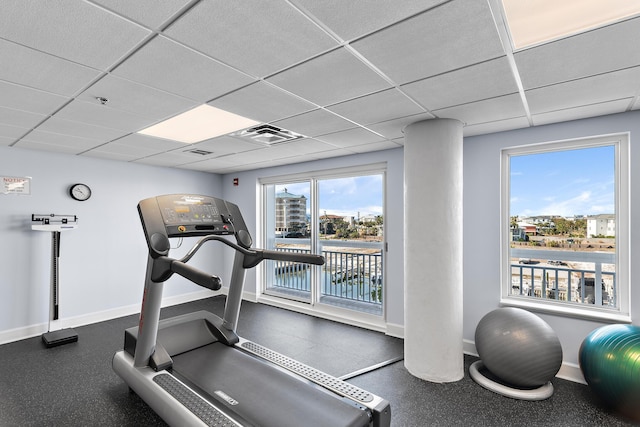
(15, 185)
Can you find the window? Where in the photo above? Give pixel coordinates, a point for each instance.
(338, 214)
(565, 225)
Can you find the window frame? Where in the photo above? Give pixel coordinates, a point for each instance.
(621, 313)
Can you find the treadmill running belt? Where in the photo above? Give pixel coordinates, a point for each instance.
(261, 393)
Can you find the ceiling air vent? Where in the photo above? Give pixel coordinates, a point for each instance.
(268, 134)
(199, 152)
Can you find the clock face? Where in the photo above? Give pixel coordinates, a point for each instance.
(80, 192)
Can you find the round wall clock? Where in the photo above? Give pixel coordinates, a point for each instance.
(80, 192)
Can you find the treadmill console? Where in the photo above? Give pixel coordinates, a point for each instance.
(188, 215)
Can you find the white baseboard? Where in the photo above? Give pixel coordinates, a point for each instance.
(571, 372)
(395, 330)
(17, 334)
(469, 347)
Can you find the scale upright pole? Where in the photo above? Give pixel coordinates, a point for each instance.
(55, 224)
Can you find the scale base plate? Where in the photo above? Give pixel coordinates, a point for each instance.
(61, 337)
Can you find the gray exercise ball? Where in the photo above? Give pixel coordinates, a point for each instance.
(518, 347)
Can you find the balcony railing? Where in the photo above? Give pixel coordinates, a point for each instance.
(348, 277)
(553, 275)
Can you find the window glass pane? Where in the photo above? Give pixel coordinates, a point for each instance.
(351, 226)
(562, 230)
(287, 229)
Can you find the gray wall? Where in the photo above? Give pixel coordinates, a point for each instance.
(102, 263)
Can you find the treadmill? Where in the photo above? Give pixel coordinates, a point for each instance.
(194, 370)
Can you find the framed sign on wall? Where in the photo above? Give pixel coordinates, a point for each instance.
(15, 185)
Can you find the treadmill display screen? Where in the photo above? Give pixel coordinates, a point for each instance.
(194, 215)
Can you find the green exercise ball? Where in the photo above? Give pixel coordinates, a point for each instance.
(610, 362)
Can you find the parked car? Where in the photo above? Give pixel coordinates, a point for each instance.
(294, 235)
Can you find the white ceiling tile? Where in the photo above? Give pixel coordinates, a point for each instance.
(279, 162)
(54, 139)
(450, 36)
(109, 156)
(601, 109)
(254, 36)
(135, 98)
(72, 29)
(587, 91)
(330, 78)
(172, 158)
(481, 81)
(306, 146)
(18, 118)
(374, 146)
(130, 151)
(351, 137)
(611, 48)
(247, 157)
(392, 129)
(359, 18)
(24, 98)
(151, 13)
(339, 152)
(149, 142)
(94, 113)
(227, 145)
(12, 132)
(279, 151)
(5, 141)
(497, 126)
(314, 123)
(40, 146)
(366, 110)
(80, 130)
(211, 165)
(39, 70)
(488, 110)
(169, 66)
(262, 102)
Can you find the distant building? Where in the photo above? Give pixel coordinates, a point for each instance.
(601, 225)
(291, 212)
(368, 218)
(528, 228)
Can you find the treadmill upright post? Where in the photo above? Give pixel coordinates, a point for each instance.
(234, 297)
(149, 318)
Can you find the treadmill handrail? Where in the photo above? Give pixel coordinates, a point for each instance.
(254, 256)
(198, 277)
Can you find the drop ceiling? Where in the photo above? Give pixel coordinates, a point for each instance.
(348, 76)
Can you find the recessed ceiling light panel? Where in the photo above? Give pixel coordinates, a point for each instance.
(533, 22)
(201, 123)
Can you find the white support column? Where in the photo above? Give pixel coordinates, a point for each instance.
(433, 250)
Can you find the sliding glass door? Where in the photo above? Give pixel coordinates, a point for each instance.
(338, 216)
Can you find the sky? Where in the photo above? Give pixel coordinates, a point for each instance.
(565, 183)
(344, 196)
